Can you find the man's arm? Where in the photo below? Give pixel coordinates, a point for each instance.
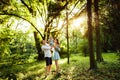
(46, 48)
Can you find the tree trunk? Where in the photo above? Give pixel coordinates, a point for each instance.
(90, 35)
(99, 57)
(38, 47)
(67, 35)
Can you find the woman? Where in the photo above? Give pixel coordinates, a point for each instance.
(56, 55)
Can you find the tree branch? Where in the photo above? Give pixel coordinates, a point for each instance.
(4, 2)
(10, 14)
(30, 9)
(41, 16)
(83, 7)
(74, 6)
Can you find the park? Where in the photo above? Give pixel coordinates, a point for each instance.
(88, 32)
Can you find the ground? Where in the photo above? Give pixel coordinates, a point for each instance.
(78, 69)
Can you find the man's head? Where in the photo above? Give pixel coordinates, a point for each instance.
(43, 42)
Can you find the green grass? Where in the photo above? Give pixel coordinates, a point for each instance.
(76, 70)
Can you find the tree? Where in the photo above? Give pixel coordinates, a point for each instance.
(20, 10)
(67, 34)
(31, 11)
(109, 19)
(99, 57)
(90, 35)
(37, 43)
(38, 12)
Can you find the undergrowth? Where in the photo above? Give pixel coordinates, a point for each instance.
(78, 69)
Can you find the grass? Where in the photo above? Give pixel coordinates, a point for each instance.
(76, 70)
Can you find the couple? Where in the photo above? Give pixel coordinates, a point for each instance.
(48, 49)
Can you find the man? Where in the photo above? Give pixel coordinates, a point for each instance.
(48, 56)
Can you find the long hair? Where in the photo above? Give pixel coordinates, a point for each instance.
(57, 41)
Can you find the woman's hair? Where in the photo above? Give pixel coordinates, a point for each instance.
(57, 41)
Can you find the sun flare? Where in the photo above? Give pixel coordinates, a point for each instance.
(80, 24)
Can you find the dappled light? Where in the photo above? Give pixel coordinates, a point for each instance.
(62, 61)
(35, 66)
(59, 40)
(80, 24)
(23, 26)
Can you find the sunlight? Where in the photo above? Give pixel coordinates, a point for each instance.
(62, 61)
(21, 25)
(78, 21)
(80, 24)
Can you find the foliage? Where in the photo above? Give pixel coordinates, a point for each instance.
(84, 47)
(38, 13)
(77, 69)
(43, 15)
(110, 27)
(21, 44)
(13, 42)
(118, 54)
(6, 37)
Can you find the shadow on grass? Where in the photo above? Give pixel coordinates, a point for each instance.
(14, 71)
(8, 75)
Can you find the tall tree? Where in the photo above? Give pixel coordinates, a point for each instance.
(38, 47)
(90, 35)
(33, 10)
(67, 33)
(110, 11)
(99, 57)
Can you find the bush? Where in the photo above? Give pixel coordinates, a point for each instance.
(84, 47)
(63, 52)
(118, 54)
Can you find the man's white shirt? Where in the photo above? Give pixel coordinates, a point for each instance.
(46, 48)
